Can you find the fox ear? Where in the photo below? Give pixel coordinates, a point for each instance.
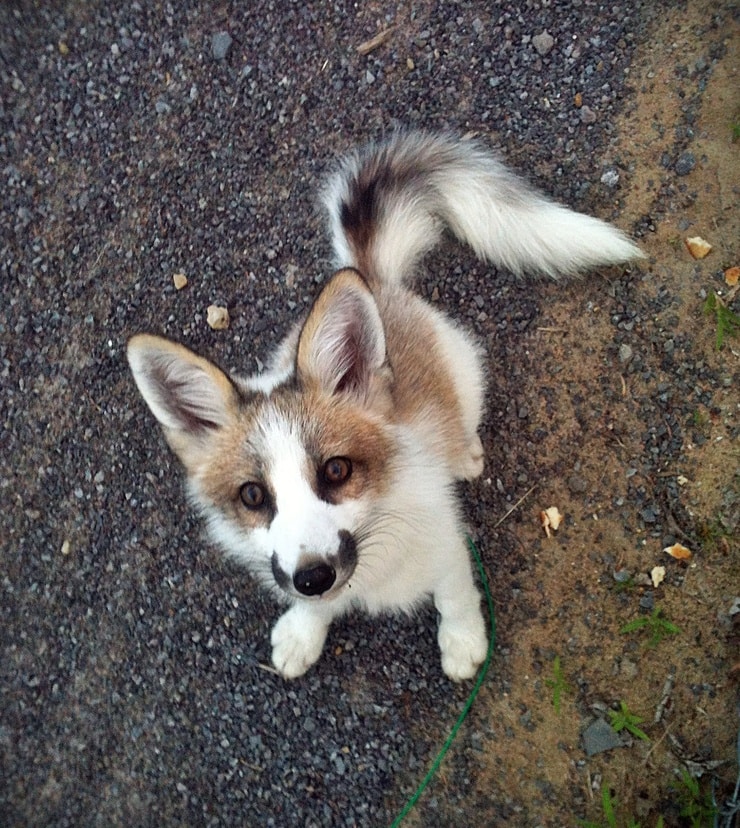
(188, 395)
(342, 345)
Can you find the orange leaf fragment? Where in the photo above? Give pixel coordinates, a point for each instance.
(681, 553)
(698, 247)
(732, 275)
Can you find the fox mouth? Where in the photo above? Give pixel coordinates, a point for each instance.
(320, 578)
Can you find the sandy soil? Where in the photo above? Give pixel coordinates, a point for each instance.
(590, 420)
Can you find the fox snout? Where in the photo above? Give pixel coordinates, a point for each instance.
(314, 575)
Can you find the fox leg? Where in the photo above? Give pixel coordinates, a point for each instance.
(462, 637)
(297, 640)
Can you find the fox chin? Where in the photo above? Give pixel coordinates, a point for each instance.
(332, 475)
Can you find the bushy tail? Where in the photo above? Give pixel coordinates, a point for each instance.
(390, 202)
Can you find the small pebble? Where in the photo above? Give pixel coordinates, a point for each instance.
(610, 178)
(685, 164)
(577, 484)
(543, 43)
(220, 45)
(217, 317)
(647, 601)
(628, 668)
(625, 353)
(588, 116)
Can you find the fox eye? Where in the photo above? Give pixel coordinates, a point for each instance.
(252, 495)
(337, 470)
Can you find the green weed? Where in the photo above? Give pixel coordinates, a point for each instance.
(625, 719)
(608, 806)
(695, 805)
(657, 626)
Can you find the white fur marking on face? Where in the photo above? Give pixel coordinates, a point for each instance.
(304, 524)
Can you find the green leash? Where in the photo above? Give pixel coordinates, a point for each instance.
(471, 698)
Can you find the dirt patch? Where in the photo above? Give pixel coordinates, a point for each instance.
(633, 413)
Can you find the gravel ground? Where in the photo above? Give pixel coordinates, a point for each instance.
(144, 139)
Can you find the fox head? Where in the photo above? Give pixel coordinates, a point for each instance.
(285, 466)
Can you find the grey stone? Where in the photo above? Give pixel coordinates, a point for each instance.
(625, 353)
(610, 177)
(685, 164)
(588, 116)
(543, 43)
(599, 737)
(220, 45)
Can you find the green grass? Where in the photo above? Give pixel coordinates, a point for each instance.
(557, 684)
(712, 533)
(696, 806)
(655, 624)
(728, 323)
(609, 807)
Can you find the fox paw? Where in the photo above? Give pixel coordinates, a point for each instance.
(463, 646)
(297, 641)
(471, 465)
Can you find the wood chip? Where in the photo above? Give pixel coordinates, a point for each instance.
(379, 39)
(550, 519)
(218, 317)
(657, 575)
(680, 553)
(698, 247)
(732, 275)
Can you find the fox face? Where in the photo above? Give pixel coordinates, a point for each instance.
(287, 475)
(289, 485)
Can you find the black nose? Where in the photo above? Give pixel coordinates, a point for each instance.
(314, 581)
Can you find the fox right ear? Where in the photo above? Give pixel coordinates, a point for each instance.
(341, 348)
(187, 394)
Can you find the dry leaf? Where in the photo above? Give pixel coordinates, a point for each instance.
(550, 519)
(732, 274)
(218, 318)
(180, 280)
(697, 247)
(657, 574)
(679, 552)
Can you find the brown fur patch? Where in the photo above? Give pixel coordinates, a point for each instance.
(228, 461)
(422, 374)
(335, 426)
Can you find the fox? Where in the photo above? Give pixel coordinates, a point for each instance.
(333, 475)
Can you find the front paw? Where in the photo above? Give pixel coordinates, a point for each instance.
(297, 641)
(472, 460)
(464, 645)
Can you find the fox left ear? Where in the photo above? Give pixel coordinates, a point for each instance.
(190, 397)
(342, 345)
